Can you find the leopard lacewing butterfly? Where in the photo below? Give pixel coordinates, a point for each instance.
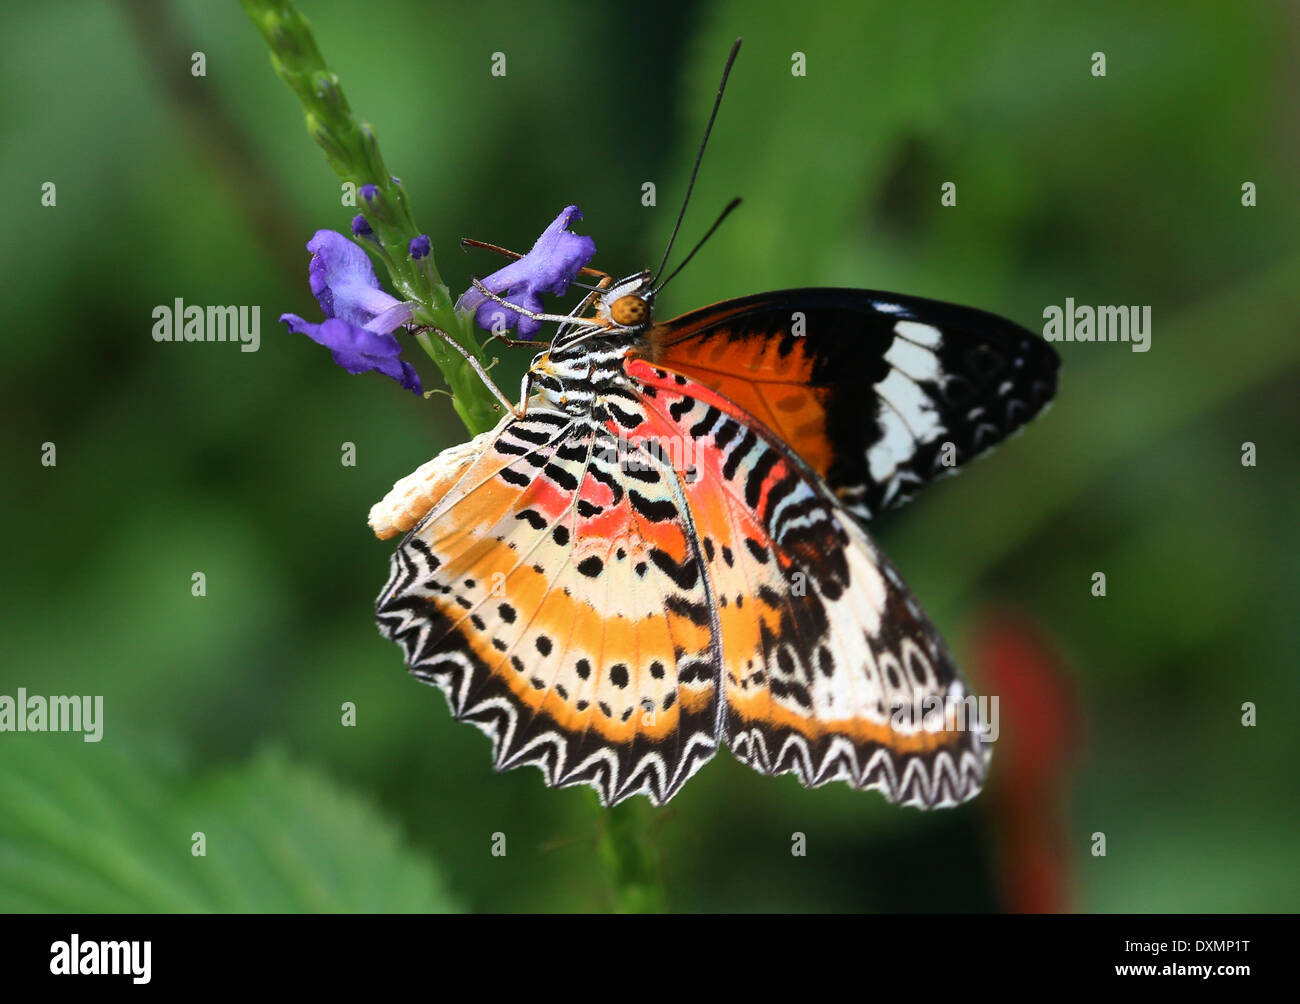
(664, 549)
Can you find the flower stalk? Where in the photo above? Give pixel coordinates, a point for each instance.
(633, 866)
(353, 152)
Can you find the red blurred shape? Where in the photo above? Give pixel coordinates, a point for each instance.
(1039, 733)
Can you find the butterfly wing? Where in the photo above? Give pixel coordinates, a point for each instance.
(867, 387)
(608, 612)
(829, 667)
(559, 603)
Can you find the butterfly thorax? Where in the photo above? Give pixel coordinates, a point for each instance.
(584, 365)
(581, 379)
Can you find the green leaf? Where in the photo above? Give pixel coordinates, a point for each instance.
(94, 827)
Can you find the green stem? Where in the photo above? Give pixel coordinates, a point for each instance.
(353, 152)
(633, 866)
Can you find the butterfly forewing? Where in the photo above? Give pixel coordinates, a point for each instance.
(878, 393)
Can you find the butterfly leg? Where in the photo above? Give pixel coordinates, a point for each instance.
(474, 364)
(525, 388)
(515, 343)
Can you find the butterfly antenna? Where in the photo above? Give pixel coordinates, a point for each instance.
(716, 223)
(726, 71)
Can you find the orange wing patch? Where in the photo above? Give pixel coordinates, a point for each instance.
(768, 377)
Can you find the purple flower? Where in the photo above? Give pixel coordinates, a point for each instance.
(360, 317)
(549, 267)
(419, 247)
(360, 228)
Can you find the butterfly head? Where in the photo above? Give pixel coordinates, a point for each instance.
(628, 304)
(619, 314)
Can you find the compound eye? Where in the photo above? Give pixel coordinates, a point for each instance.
(629, 311)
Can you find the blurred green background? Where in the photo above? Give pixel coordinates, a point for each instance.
(222, 713)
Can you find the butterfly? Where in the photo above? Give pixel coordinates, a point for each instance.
(664, 549)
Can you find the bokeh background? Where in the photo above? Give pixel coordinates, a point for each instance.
(1120, 715)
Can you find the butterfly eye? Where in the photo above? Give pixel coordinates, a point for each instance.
(628, 311)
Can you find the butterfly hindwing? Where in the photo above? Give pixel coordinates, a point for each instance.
(829, 667)
(559, 604)
(878, 393)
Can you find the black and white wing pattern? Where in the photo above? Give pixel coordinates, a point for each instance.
(879, 393)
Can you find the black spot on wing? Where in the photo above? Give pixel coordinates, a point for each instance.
(561, 477)
(684, 575)
(739, 453)
(532, 517)
(757, 475)
(655, 510)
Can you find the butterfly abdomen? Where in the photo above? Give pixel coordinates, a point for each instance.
(413, 496)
